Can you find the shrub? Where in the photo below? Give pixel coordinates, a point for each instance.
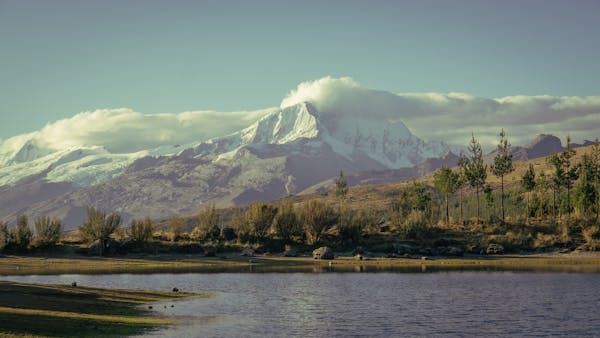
(286, 222)
(4, 236)
(208, 225)
(141, 230)
(591, 235)
(317, 218)
(47, 231)
(259, 219)
(352, 230)
(20, 236)
(415, 226)
(99, 226)
(177, 225)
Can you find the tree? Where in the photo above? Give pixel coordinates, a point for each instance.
(558, 178)
(4, 236)
(21, 234)
(286, 221)
(209, 223)
(475, 170)
(413, 198)
(446, 182)
(542, 186)
(595, 159)
(462, 180)
(528, 184)
(317, 218)
(259, 218)
(341, 191)
(99, 226)
(47, 231)
(141, 231)
(571, 172)
(586, 194)
(502, 165)
(177, 225)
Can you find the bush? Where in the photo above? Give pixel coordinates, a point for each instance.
(317, 218)
(141, 231)
(99, 226)
(20, 236)
(177, 225)
(415, 226)
(357, 222)
(47, 231)
(286, 222)
(259, 219)
(208, 225)
(4, 236)
(591, 235)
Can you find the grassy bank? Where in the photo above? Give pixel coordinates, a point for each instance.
(22, 265)
(59, 310)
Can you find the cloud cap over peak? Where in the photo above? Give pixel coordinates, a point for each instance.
(452, 117)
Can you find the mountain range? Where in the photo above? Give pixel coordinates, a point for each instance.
(292, 149)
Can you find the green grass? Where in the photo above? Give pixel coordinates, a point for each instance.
(65, 311)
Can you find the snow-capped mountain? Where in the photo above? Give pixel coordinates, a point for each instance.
(281, 153)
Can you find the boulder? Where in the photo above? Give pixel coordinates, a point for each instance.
(210, 251)
(494, 249)
(247, 253)
(323, 253)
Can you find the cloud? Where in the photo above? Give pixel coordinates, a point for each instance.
(124, 130)
(452, 117)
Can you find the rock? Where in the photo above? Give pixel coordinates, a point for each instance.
(323, 253)
(210, 251)
(227, 233)
(494, 249)
(247, 253)
(291, 253)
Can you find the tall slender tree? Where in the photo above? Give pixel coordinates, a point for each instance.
(595, 159)
(341, 192)
(446, 182)
(502, 165)
(462, 180)
(571, 172)
(475, 170)
(528, 183)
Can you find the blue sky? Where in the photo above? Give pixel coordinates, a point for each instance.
(58, 58)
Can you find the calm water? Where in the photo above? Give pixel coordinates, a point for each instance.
(449, 304)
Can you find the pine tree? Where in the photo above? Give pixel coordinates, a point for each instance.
(502, 165)
(446, 182)
(475, 170)
(528, 183)
(595, 159)
(462, 180)
(586, 193)
(571, 172)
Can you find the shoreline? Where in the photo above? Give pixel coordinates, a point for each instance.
(31, 310)
(188, 263)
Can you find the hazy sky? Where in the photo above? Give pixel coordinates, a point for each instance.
(58, 58)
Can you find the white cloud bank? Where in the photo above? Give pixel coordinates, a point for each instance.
(452, 117)
(125, 131)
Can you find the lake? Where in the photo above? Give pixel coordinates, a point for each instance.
(383, 304)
